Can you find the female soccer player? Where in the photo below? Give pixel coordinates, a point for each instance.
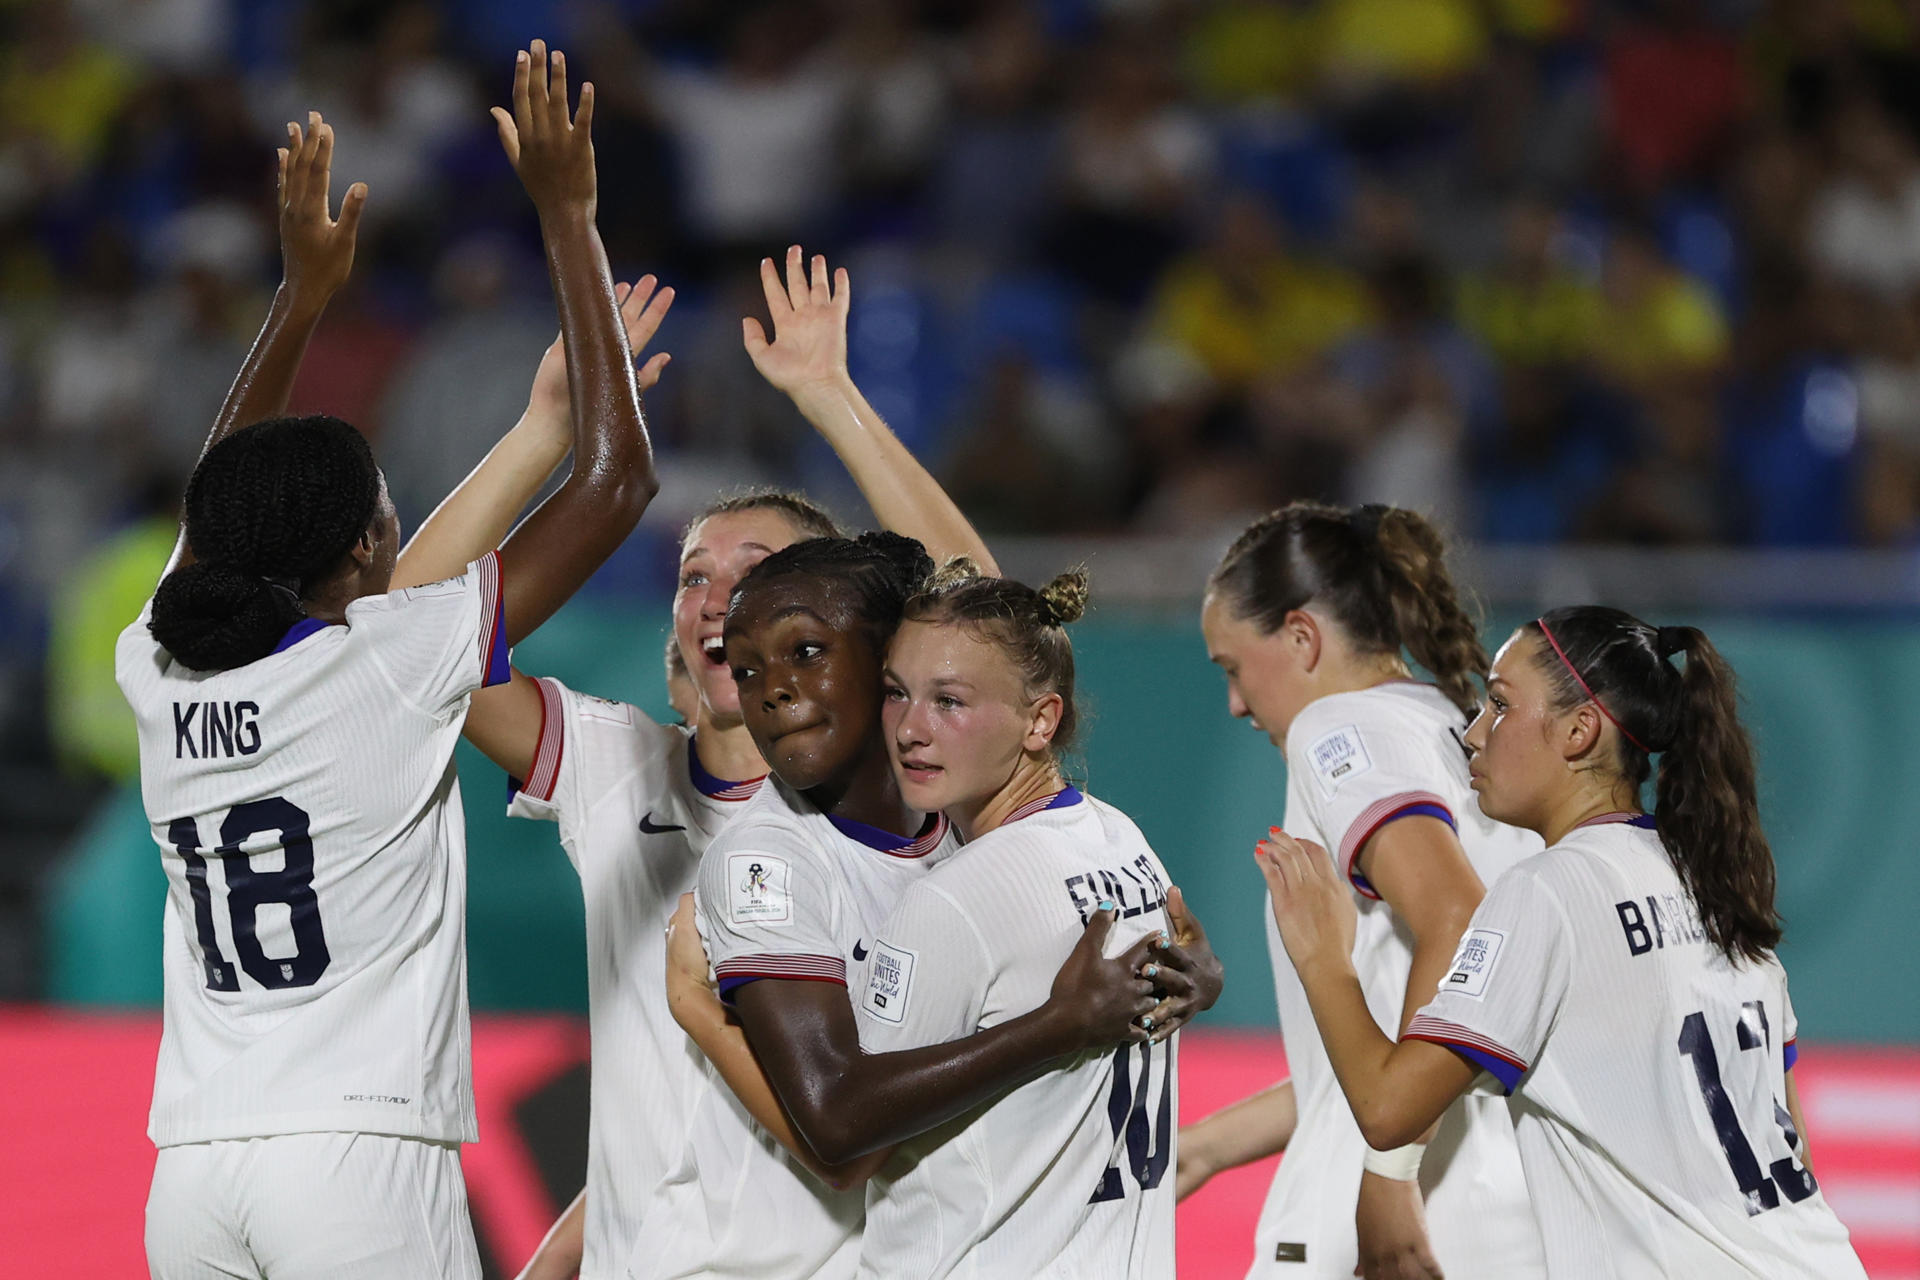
(1620, 987)
(791, 895)
(297, 724)
(636, 801)
(1310, 615)
(1065, 1175)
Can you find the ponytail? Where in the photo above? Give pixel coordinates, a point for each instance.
(1706, 807)
(1429, 619)
(1379, 571)
(269, 510)
(1707, 804)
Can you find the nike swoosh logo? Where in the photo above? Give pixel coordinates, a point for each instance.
(647, 826)
(859, 952)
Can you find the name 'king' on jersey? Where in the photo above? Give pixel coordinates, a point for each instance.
(635, 810)
(1070, 1175)
(1356, 762)
(308, 816)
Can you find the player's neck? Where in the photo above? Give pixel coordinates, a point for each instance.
(1034, 778)
(727, 751)
(1584, 806)
(1351, 673)
(868, 793)
(327, 600)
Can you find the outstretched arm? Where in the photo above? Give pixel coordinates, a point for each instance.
(1251, 1129)
(1396, 1090)
(477, 515)
(807, 359)
(316, 254)
(559, 546)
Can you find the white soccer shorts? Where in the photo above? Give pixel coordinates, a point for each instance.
(308, 1206)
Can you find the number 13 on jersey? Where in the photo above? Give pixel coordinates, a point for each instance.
(249, 889)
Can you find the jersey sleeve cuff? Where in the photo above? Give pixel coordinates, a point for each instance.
(544, 777)
(1791, 1052)
(1488, 1054)
(495, 665)
(733, 974)
(1407, 804)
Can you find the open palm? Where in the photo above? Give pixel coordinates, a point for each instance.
(809, 317)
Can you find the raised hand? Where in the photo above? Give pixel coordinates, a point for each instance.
(551, 150)
(642, 308)
(809, 346)
(316, 251)
(1312, 904)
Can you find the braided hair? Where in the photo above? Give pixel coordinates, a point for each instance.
(1706, 801)
(1381, 573)
(879, 570)
(269, 510)
(1029, 626)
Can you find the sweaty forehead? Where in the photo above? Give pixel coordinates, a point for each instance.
(762, 605)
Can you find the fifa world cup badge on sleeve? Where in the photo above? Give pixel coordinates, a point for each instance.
(889, 982)
(757, 889)
(1473, 962)
(1339, 757)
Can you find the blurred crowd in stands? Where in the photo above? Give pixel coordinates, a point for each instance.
(1640, 271)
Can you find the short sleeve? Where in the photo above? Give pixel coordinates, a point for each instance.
(1359, 771)
(767, 913)
(539, 795)
(925, 982)
(1508, 978)
(441, 641)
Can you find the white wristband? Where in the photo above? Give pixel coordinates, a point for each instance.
(1402, 1164)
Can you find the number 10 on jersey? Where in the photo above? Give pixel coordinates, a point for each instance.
(249, 889)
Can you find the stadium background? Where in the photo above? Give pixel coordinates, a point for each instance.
(1627, 294)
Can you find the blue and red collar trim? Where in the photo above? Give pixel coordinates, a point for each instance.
(1061, 799)
(886, 842)
(1644, 821)
(718, 788)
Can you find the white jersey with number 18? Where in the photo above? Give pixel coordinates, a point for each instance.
(1069, 1175)
(1647, 1072)
(309, 820)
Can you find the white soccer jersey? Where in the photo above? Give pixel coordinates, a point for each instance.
(316, 977)
(1066, 1176)
(1647, 1071)
(1355, 762)
(785, 892)
(635, 811)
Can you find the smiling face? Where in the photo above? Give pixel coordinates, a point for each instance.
(717, 553)
(808, 678)
(958, 717)
(1520, 771)
(1267, 672)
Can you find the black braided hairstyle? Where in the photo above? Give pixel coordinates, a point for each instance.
(879, 570)
(268, 510)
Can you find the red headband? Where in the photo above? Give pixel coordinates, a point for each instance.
(1585, 687)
